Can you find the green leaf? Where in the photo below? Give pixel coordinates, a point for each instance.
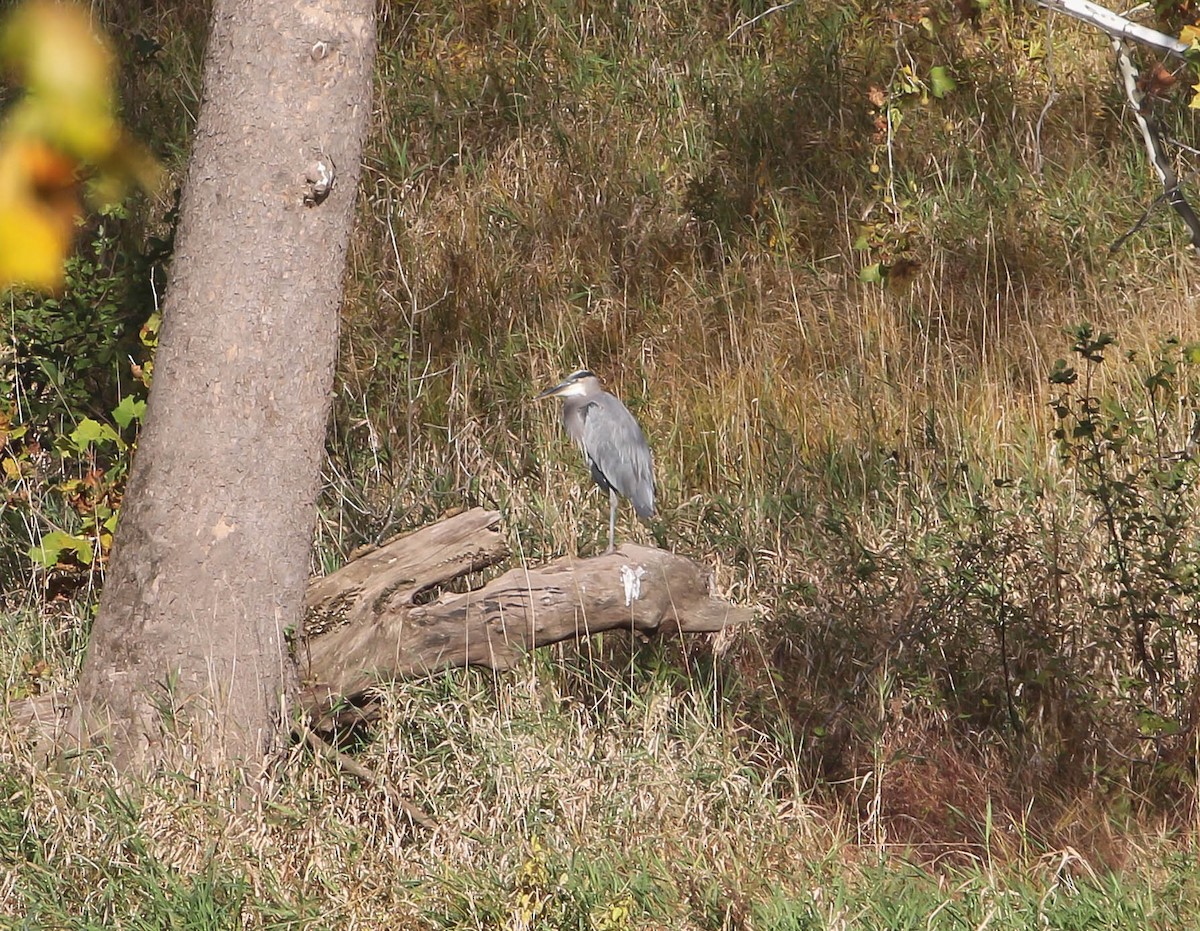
(1153, 724)
(55, 544)
(1191, 353)
(940, 82)
(128, 411)
(1062, 374)
(92, 431)
(871, 274)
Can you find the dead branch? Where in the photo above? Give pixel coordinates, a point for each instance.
(1117, 26)
(367, 776)
(1121, 31)
(1151, 133)
(375, 620)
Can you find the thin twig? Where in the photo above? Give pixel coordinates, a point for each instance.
(763, 15)
(1141, 221)
(1051, 97)
(366, 776)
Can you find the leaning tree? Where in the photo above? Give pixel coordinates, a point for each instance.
(211, 559)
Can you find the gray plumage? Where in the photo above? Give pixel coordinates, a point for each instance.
(612, 442)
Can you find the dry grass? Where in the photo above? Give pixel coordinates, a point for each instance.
(691, 223)
(567, 797)
(516, 772)
(934, 671)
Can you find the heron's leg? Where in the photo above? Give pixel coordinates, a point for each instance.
(612, 519)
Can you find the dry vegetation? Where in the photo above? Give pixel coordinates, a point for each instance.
(945, 672)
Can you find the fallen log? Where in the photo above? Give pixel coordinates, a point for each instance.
(376, 620)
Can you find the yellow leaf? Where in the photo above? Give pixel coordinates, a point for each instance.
(38, 206)
(58, 55)
(1189, 34)
(12, 468)
(32, 248)
(149, 331)
(65, 123)
(1195, 101)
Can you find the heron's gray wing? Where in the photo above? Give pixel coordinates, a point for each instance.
(617, 449)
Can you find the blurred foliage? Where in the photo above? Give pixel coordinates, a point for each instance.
(78, 360)
(62, 136)
(75, 382)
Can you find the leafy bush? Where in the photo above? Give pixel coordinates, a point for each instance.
(74, 392)
(1136, 460)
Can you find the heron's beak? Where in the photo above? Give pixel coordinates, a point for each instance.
(551, 392)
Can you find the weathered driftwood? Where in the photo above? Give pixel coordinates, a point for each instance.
(373, 620)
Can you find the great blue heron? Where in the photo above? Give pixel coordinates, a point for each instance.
(611, 440)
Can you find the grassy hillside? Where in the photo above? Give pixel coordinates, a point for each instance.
(829, 258)
(689, 214)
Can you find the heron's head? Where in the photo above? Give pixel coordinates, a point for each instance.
(578, 384)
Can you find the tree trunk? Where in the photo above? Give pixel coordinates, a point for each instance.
(212, 553)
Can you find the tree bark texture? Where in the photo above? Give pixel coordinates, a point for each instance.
(211, 558)
(375, 619)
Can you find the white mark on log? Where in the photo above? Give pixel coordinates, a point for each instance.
(631, 578)
(221, 529)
